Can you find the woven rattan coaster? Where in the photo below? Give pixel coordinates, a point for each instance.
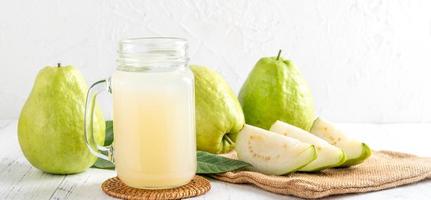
(115, 188)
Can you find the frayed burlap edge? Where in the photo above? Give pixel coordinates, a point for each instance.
(300, 187)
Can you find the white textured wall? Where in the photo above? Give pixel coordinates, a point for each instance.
(366, 61)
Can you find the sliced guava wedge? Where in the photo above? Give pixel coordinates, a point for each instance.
(327, 155)
(272, 153)
(355, 150)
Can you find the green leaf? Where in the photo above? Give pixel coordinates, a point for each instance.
(109, 137)
(209, 163)
(103, 164)
(109, 132)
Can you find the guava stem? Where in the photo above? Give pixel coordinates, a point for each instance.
(226, 137)
(58, 64)
(279, 53)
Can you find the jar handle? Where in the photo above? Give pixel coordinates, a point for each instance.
(95, 149)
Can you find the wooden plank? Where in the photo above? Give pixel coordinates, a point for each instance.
(83, 186)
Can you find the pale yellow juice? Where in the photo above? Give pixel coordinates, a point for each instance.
(154, 128)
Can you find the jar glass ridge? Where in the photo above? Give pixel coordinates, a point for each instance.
(152, 54)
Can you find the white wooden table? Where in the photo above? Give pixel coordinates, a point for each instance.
(19, 180)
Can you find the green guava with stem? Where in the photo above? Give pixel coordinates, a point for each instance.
(51, 123)
(275, 90)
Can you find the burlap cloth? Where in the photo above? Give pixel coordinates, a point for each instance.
(384, 169)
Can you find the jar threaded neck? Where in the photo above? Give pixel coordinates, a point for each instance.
(152, 53)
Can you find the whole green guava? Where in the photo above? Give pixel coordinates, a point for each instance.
(275, 90)
(219, 116)
(51, 123)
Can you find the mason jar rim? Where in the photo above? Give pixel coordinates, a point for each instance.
(133, 40)
(152, 53)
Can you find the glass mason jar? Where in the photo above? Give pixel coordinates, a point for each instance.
(153, 114)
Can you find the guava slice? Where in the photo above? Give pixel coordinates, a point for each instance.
(355, 150)
(327, 155)
(272, 153)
